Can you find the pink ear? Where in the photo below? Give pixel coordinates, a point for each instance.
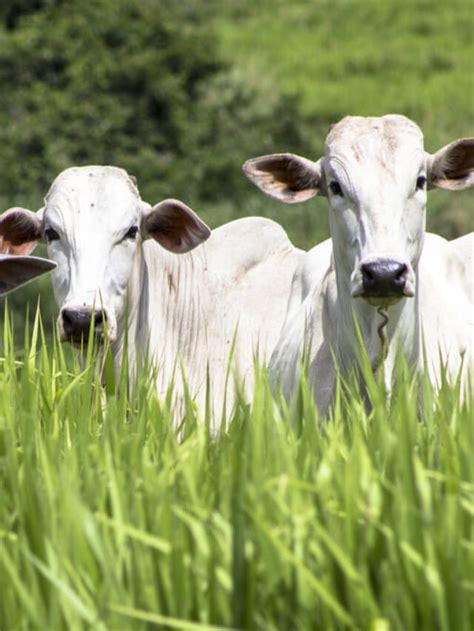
(6, 247)
(175, 226)
(285, 176)
(20, 231)
(452, 167)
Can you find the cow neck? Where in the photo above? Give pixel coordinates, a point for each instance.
(170, 323)
(401, 332)
(129, 321)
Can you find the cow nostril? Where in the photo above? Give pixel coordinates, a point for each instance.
(401, 272)
(366, 273)
(100, 318)
(68, 322)
(370, 274)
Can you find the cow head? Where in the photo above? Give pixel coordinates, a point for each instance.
(375, 174)
(18, 270)
(94, 223)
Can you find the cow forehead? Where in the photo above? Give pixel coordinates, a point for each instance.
(385, 138)
(93, 191)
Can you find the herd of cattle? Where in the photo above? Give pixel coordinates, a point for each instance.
(156, 281)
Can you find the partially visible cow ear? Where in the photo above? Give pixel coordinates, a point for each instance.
(175, 226)
(285, 176)
(18, 270)
(20, 231)
(452, 167)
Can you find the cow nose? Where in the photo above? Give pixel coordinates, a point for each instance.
(384, 278)
(77, 323)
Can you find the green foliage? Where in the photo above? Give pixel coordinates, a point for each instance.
(98, 82)
(107, 521)
(133, 83)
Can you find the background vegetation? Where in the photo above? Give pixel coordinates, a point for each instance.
(181, 93)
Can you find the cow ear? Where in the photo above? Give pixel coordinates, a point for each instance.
(20, 231)
(452, 167)
(18, 270)
(285, 176)
(175, 226)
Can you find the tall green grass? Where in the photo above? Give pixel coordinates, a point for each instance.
(108, 521)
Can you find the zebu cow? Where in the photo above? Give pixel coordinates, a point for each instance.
(18, 270)
(375, 174)
(139, 268)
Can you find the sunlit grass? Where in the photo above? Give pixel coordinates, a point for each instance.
(108, 521)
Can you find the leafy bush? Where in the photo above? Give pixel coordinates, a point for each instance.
(137, 84)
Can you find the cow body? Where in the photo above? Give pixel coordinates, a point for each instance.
(403, 289)
(319, 326)
(184, 310)
(160, 283)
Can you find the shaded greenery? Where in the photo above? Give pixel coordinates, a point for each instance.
(135, 84)
(107, 521)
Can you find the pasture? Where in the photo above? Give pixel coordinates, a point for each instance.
(107, 521)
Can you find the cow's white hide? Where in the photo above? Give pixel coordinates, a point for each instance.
(375, 174)
(177, 292)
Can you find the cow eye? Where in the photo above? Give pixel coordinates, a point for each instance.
(421, 182)
(335, 188)
(50, 234)
(131, 232)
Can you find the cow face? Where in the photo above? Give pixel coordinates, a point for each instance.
(375, 180)
(375, 174)
(94, 223)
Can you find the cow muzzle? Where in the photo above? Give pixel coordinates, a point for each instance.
(76, 325)
(383, 281)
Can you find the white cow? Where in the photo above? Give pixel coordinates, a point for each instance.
(375, 174)
(139, 268)
(18, 270)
